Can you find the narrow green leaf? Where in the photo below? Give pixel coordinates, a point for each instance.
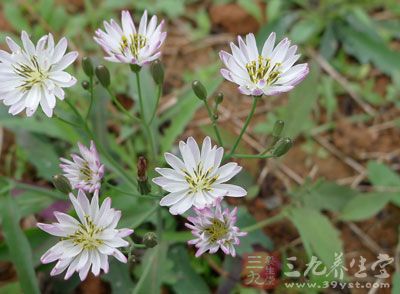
(18, 246)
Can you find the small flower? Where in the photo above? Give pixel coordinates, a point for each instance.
(84, 172)
(197, 180)
(270, 73)
(128, 45)
(85, 242)
(31, 75)
(214, 229)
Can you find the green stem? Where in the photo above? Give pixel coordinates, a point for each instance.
(259, 156)
(148, 196)
(66, 121)
(214, 123)
(269, 221)
(91, 91)
(157, 101)
(246, 124)
(111, 161)
(146, 128)
(121, 107)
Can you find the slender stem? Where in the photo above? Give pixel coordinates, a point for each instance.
(148, 196)
(214, 124)
(111, 161)
(246, 124)
(158, 100)
(259, 156)
(66, 121)
(146, 127)
(51, 193)
(121, 107)
(91, 91)
(269, 221)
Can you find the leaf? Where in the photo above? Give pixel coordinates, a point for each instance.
(364, 206)
(381, 175)
(256, 237)
(119, 277)
(11, 288)
(319, 236)
(14, 16)
(305, 29)
(328, 195)
(252, 7)
(301, 102)
(18, 245)
(329, 42)
(32, 202)
(188, 281)
(396, 283)
(366, 49)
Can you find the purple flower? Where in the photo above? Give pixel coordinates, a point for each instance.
(214, 229)
(270, 72)
(84, 172)
(128, 45)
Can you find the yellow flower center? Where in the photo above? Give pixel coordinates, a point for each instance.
(87, 235)
(200, 180)
(32, 74)
(134, 42)
(216, 230)
(86, 172)
(261, 69)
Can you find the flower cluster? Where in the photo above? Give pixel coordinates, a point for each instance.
(196, 182)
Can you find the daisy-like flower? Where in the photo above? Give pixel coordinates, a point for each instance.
(84, 172)
(31, 76)
(270, 72)
(214, 228)
(85, 242)
(128, 45)
(198, 179)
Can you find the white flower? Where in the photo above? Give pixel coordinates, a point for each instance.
(31, 75)
(214, 229)
(84, 172)
(197, 180)
(269, 73)
(87, 242)
(128, 45)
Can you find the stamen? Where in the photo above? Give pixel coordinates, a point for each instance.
(200, 180)
(85, 172)
(135, 43)
(86, 235)
(32, 73)
(261, 69)
(216, 230)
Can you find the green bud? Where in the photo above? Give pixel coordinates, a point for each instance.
(199, 90)
(278, 127)
(87, 66)
(150, 240)
(219, 98)
(282, 147)
(135, 68)
(85, 85)
(157, 72)
(103, 75)
(62, 184)
(215, 116)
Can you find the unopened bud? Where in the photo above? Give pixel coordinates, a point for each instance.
(135, 68)
(215, 116)
(157, 72)
(85, 85)
(219, 98)
(143, 183)
(282, 147)
(278, 127)
(87, 66)
(199, 90)
(103, 75)
(62, 184)
(150, 240)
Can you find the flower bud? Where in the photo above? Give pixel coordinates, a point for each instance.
(85, 85)
(282, 147)
(103, 75)
(199, 90)
(150, 240)
(143, 183)
(278, 127)
(219, 98)
(62, 184)
(157, 72)
(135, 68)
(87, 66)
